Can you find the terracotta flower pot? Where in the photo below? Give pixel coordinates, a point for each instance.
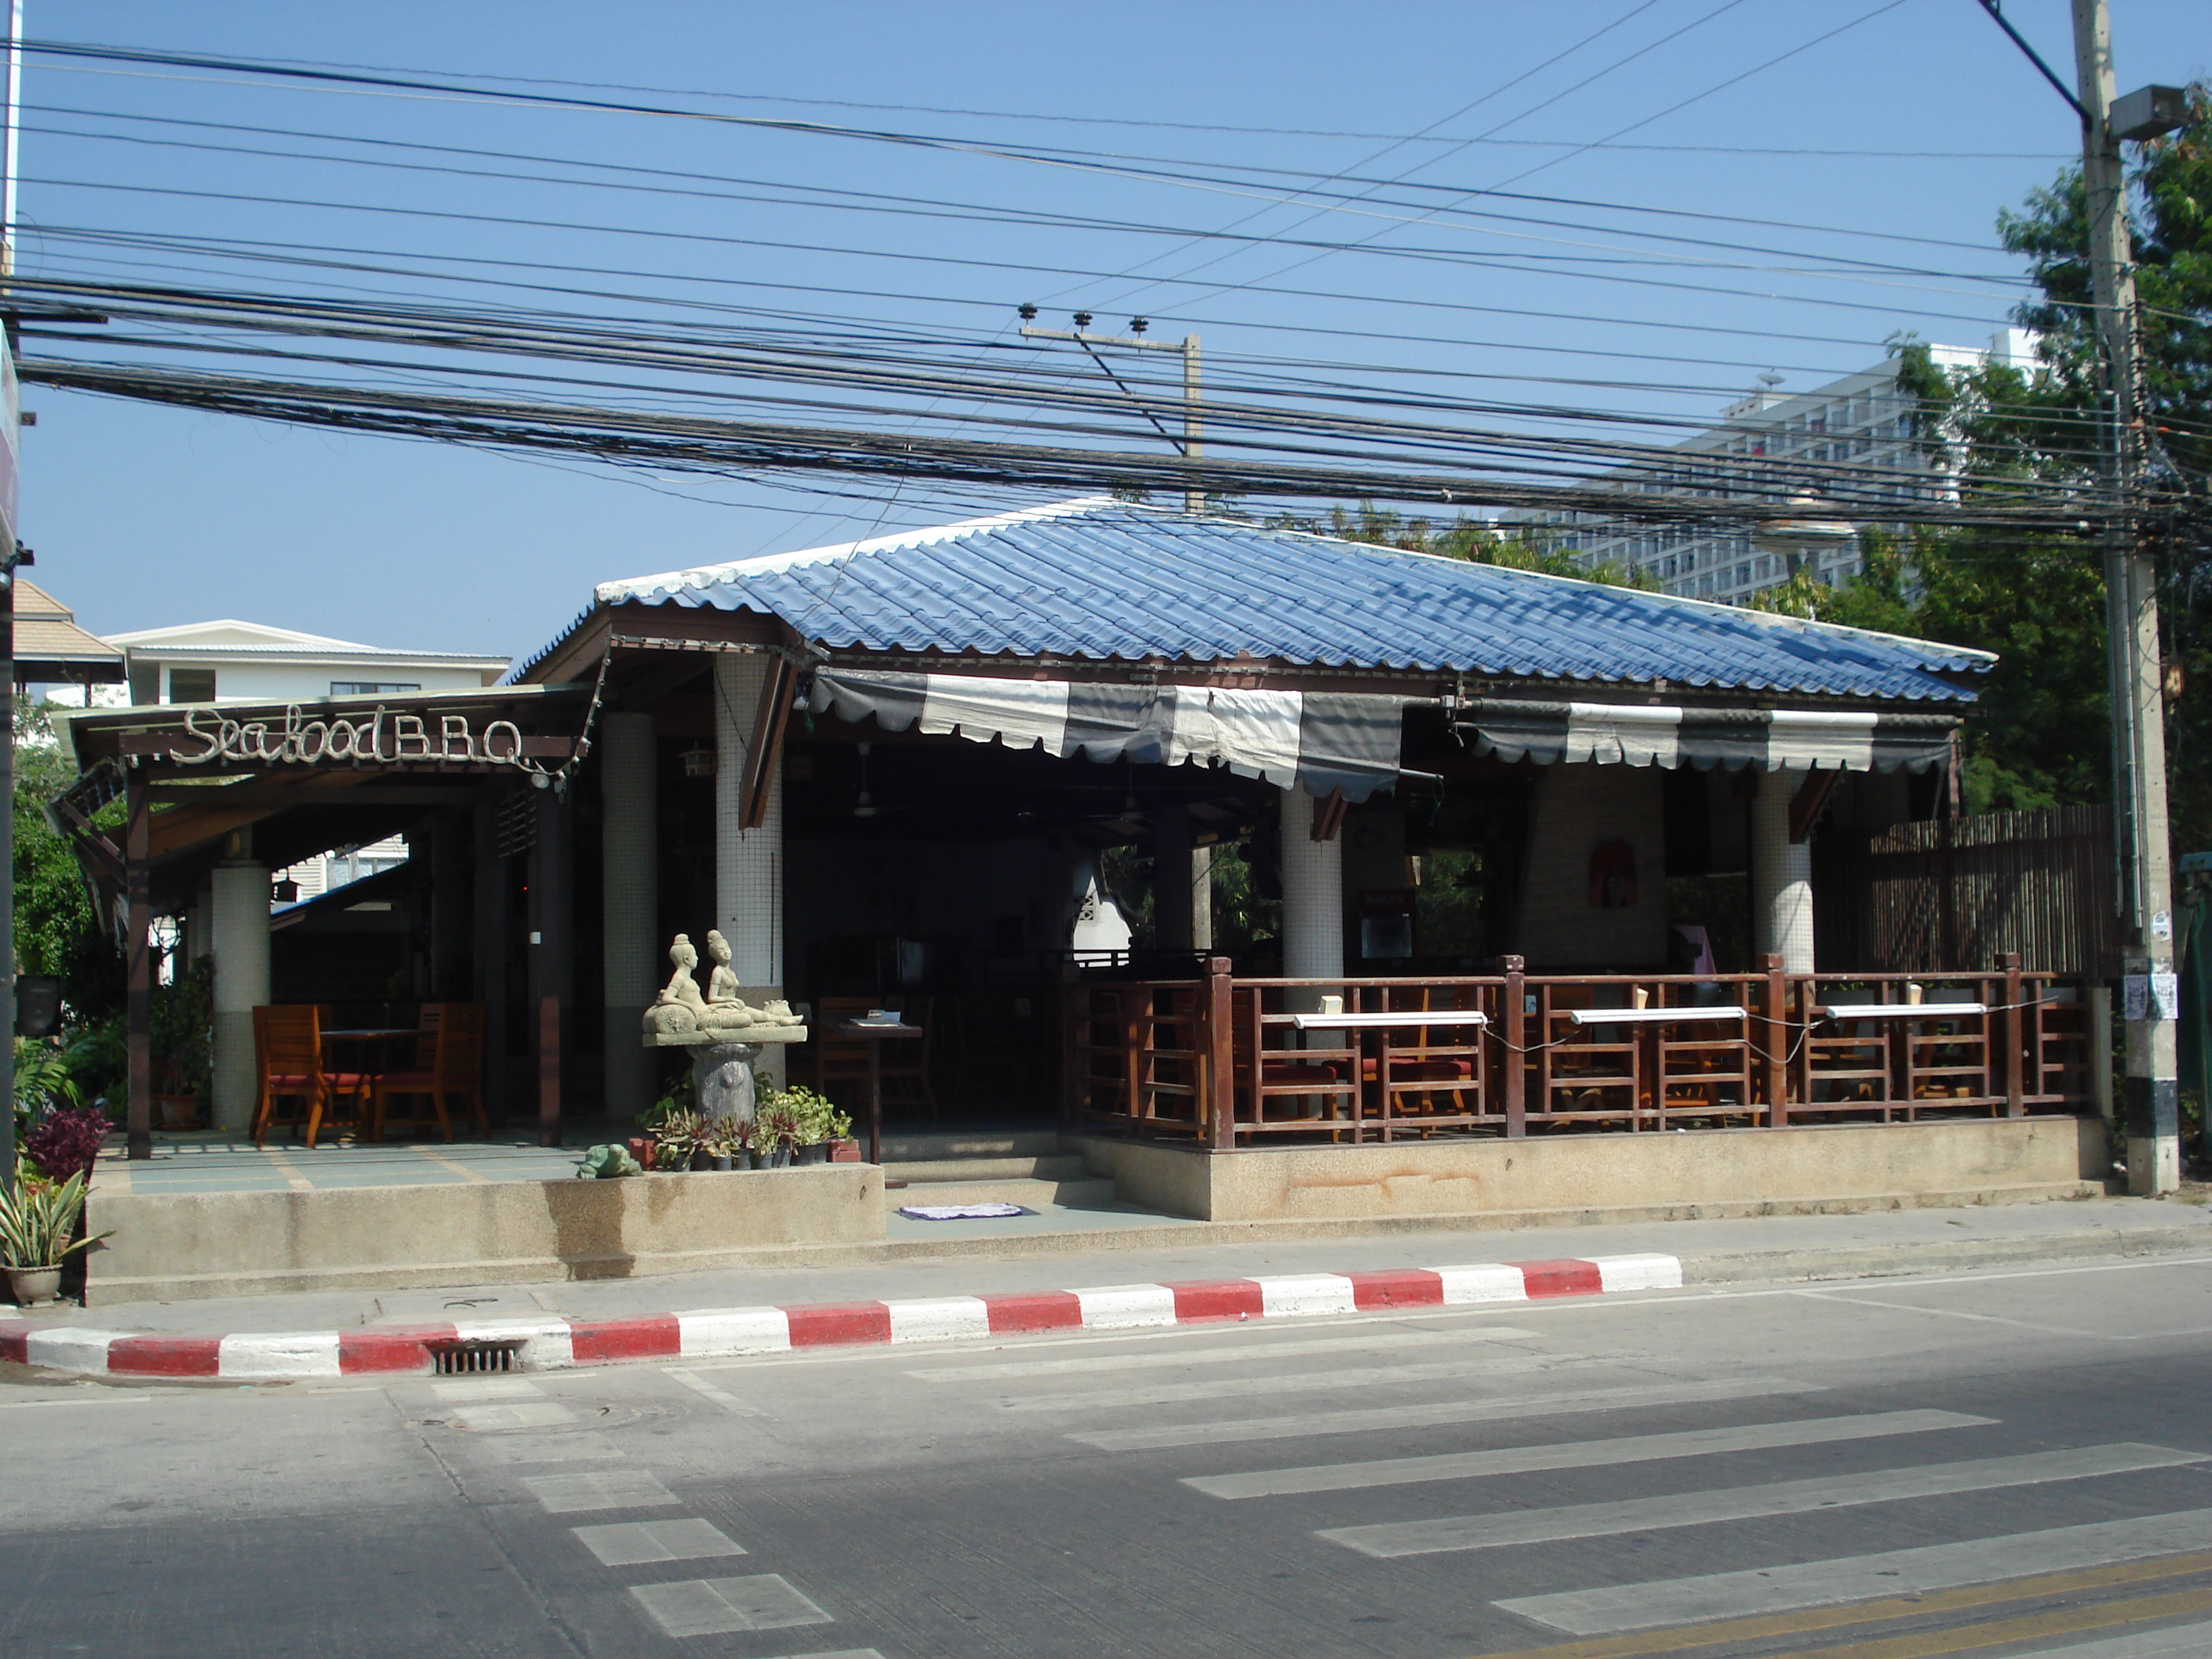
(33, 1285)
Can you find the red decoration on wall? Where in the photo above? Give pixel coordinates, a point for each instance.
(1613, 876)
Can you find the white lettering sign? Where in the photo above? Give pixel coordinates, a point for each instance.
(377, 738)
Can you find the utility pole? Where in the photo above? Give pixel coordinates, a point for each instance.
(12, 553)
(1190, 446)
(2152, 1094)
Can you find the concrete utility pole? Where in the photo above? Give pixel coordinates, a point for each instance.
(11, 554)
(1190, 446)
(2152, 1092)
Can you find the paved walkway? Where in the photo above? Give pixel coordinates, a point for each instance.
(215, 1161)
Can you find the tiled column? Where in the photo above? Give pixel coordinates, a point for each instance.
(1313, 894)
(1781, 876)
(629, 904)
(748, 863)
(239, 926)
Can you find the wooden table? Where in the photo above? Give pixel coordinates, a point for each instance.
(380, 1035)
(872, 1032)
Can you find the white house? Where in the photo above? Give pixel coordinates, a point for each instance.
(235, 661)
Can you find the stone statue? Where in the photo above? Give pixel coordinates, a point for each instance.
(680, 1011)
(726, 1009)
(680, 1006)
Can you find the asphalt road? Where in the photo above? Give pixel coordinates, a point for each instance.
(2003, 1463)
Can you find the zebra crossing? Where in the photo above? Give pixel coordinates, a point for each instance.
(679, 1609)
(1487, 1492)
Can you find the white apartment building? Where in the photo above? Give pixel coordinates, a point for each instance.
(1861, 421)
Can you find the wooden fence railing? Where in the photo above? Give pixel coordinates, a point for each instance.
(1229, 1062)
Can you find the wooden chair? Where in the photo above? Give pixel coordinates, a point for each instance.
(834, 1059)
(426, 1018)
(288, 1057)
(456, 1068)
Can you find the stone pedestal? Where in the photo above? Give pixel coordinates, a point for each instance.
(722, 1083)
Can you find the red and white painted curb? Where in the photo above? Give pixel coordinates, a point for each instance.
(555, 1343)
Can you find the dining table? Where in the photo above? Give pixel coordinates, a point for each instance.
(360, 1037)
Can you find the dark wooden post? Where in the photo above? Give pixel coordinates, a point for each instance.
(1776, 1009)
(1218, 1001)
(1074, 1035)
(548, 1070)
(2015, 1057)
(1132, 1026)
(490, 904)
(1515, 1013)
(138, 959)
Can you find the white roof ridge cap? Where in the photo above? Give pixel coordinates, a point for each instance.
(670, 581)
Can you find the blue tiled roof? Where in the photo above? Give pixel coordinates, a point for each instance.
(1103, 578)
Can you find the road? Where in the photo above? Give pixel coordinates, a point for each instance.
(2028, 1452)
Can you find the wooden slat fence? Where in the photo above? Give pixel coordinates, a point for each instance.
(1962, 890)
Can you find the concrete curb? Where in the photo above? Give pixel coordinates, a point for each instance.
(556, 1342)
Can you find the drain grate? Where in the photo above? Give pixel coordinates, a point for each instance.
(474, 1358)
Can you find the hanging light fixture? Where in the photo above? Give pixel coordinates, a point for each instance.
(698, 761)
(863, 807)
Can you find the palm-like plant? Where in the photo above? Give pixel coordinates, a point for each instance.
(36, 1221)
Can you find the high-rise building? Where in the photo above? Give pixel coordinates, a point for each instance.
(1862, 422)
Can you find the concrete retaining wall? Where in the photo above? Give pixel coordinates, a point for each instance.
(176, 1247)
(1827, 1166)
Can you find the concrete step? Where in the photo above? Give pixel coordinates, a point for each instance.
(1055, 1166)
(917, 1147)
(1030, 1194)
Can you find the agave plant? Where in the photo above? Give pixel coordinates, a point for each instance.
(36, 1221)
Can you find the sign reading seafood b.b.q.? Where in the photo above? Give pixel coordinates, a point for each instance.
(379, 737)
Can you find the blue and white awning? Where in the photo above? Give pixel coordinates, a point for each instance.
(1670, 735)
(1327, 741)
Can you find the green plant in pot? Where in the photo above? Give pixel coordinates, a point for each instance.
(727, 1141)
(820, 1124)
(777, 1125)
(679, 1139)
(36, 1221)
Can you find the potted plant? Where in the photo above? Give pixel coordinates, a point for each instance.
(775, 1132)
(677, 1141)
(36, 1221)
(726, 1141)
(821, 1125)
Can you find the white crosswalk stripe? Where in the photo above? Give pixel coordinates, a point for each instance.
(1565, 1402)
(1615, 1608)
(1239, 1354)
(1475, 1532)
(1578, 1455)
(1245, 1387)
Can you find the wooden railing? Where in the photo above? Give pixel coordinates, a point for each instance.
(1228, 1062)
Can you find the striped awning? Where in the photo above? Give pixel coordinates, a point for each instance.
(1658, 734)
(1325, 741)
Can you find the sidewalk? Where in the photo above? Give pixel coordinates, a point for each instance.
(980, 1295)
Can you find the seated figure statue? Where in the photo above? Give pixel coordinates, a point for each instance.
(725, 1011)
(679, 1008)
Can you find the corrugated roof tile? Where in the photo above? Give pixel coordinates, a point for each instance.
(1109, 580)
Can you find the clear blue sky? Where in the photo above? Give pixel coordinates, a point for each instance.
(144, 516)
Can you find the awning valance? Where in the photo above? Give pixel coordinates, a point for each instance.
(1327, 741)
(1772, 739)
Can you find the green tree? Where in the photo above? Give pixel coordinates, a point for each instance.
(56, 930)
(1478, 541)
(2039, 734)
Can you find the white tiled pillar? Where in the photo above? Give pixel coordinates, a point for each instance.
(238, 907)
(1781, 876)
(1313, 894)
(748, 863)
(629, 904)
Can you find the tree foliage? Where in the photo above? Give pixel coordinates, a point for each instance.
(56, 930)
(2039, 735)
(1478, 541)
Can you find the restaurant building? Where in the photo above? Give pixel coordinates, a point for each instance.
(1334, 781)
